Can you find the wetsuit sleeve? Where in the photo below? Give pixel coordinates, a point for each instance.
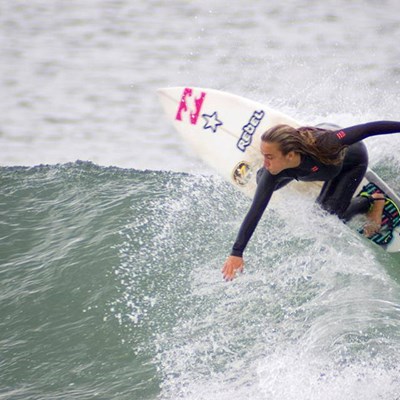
(353, 134)
(265, 188)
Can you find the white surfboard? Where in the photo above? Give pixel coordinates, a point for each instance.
(225, 132)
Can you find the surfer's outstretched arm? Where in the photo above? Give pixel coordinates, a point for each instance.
(265, 187)
(353, 134)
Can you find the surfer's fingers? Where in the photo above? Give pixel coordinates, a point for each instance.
(229, 273)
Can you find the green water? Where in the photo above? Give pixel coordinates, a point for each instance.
(111, 288)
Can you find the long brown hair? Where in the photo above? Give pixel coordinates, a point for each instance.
(307, 140)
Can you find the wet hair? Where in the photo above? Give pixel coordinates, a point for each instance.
(311, 141)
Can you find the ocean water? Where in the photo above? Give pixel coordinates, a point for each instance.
(111, 288)
(113, 235)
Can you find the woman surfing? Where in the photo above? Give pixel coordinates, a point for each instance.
(339, 158)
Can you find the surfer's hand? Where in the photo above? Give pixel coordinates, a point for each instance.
(231, 265)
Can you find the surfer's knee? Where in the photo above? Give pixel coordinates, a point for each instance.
(334, 206)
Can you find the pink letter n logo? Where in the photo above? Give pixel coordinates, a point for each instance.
(183, 105)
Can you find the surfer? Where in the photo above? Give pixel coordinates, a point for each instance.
(339, 158)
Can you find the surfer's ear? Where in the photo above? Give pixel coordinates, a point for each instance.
(291, 155)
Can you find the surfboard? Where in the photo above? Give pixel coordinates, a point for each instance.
(224, 130)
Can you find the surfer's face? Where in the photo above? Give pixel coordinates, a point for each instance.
(274, 160)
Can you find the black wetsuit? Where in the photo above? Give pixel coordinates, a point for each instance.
(340, 181)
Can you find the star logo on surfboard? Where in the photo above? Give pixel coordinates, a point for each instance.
(212, 121)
